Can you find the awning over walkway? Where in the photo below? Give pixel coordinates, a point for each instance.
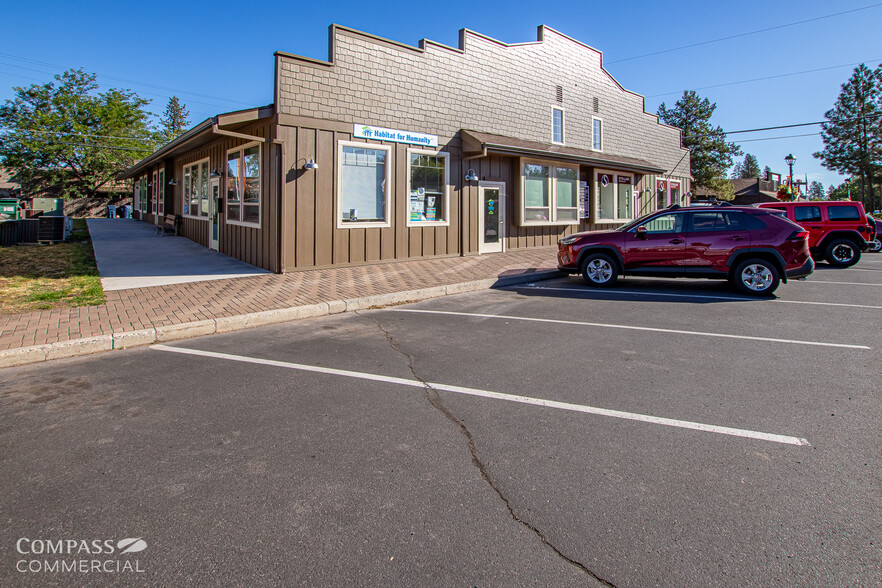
(476, 144)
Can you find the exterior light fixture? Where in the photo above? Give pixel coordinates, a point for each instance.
(215, 173)
(790, 160)
(311, 164)
(173, 182)
(471, 176)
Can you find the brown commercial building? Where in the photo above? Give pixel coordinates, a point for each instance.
(391, 152)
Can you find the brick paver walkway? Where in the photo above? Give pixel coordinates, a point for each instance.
(143, 308)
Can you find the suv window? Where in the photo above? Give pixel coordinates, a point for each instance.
(807, 213)
(665, 223)
(724, 220)
(843, 213)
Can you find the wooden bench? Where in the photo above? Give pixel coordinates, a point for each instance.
(168, 226)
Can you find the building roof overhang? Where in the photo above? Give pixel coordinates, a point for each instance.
(198, 136)
(477, 144)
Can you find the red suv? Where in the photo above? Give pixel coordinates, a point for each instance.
(838, 230)
(755, 249)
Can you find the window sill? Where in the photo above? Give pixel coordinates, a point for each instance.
(241, 224)
(611, 221)
(418, 224)
(565, 223)
(364, 225)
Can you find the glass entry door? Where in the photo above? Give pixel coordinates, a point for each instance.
(213, 204)
(492, 217)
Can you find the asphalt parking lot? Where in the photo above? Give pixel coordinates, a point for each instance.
(661, 433)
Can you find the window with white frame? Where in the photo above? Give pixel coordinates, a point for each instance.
(614, 196)
(195, 191)
(160, 192)
(428, 187)
(153, 193)
(363, 184)
(676, 193)
(551, 193)
(662, 193)
(557, 125)
(243, 185)
(596, 134)
(142, 184)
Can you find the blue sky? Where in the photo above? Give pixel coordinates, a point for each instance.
(217, 56)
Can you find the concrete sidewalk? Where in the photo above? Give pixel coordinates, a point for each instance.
(145, 315)
(158, 261)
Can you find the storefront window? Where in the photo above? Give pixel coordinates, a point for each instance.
(551, 194)
(661, 191)
(243, 185)
(675, 193)
(567, 193)
(160, 192)
(614, 196)
(625, 185)
(536, 192)
(364, 183)
(427, 188)
(196, 189)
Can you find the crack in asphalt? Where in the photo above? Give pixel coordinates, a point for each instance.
(435, 400)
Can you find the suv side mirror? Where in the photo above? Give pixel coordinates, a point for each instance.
(640, 232)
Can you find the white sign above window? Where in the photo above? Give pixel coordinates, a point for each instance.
(381, 134)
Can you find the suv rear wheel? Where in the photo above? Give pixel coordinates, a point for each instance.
(756, 277)
(842, 253)
(599, 269)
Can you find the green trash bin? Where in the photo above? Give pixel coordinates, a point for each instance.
(9, 209)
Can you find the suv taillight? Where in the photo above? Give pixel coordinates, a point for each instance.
(798, 236)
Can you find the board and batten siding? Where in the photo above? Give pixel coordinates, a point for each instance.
(311, 238)
(257, 246)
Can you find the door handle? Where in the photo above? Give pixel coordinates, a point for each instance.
(737, 238)
(676, 241)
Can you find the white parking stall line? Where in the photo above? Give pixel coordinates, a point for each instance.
(627, 327)
(632, 416)
(810, 281)
(700, 296)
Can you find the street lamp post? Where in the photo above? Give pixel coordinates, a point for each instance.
(848, 187)
(790, 160)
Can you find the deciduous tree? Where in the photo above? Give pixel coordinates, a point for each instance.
(68, 139)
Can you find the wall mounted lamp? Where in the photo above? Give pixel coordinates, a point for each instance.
(173, 182)
(311, 164)
(471, 176)
(215, 173)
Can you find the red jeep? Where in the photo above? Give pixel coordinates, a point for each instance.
(838, 229)
(753, 248)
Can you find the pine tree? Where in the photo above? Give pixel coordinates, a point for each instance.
(711, 155)
(853, 132)
(749, 167)
(175, 120)
(816, 191)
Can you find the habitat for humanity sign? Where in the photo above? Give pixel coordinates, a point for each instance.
(381, 134)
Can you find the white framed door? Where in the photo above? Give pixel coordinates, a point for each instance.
(213, 204)
(491, 217)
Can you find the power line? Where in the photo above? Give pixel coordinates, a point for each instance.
(808, 124)
(128, 81)
(796, 73)
(139, 139)
(773, 138)
(775, 28)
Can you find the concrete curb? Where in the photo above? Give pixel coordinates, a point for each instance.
(162, 334)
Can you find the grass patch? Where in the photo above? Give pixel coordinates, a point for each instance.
(43, 277)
